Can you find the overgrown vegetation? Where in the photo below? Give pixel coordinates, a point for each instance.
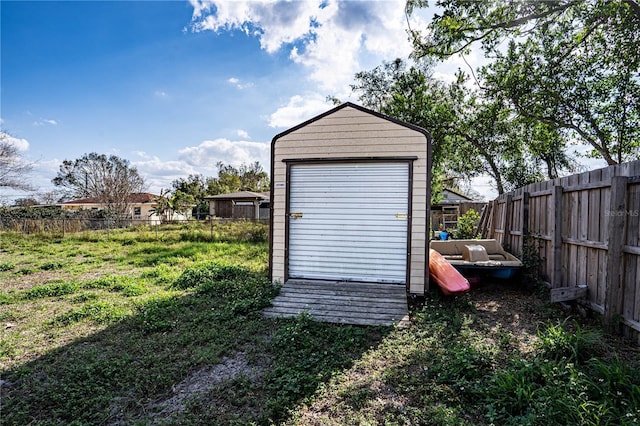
(467, 226)
(134, 329)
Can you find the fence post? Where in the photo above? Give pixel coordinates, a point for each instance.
(556, 237)
(617, 218)
(494, 218)
(525, 220)
(506, 228)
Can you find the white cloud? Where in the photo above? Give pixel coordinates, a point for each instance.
(238, 84)
(142, 154)
(205, 156)
(159, 174)
(298, 110)
(485, 186)
(274, 22)
(201, 159)
(161, 94)
(333, 39)
(45, 122)
(446, 77)
(20, 144)
(243, 134)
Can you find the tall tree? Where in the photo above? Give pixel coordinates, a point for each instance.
(195, 187)
(13, 168)
(111, 180)
(250, 177)
(471, 135)
(571, 64)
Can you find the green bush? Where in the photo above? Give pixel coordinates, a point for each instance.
(467, 225)
(208, 273)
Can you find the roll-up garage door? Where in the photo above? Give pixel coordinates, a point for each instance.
(348, 222)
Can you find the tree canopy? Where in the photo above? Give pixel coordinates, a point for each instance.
(250, 177)
(571, 65)
(473, 134)
(111, 180)
(193, 190)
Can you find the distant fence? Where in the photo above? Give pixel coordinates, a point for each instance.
(586, 230)
(64, 226)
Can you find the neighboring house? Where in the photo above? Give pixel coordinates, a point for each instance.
(141, 206)
(240, 205)
(445, 214)
(450, 196)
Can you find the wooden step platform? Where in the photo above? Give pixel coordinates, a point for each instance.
(342, 302)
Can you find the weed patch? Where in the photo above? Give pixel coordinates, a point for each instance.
(306, 354)
(5, 266)
(53, 289)
(98, 312)
(125, 284)
(51, 266)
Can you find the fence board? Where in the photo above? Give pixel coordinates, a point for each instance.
(636, 313)
(588, 230)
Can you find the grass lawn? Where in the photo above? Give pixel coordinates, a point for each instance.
(138, 327)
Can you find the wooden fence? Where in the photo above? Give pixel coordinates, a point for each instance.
(586, 230)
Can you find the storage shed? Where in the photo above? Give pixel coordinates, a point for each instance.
(350, 193)
(239, 205)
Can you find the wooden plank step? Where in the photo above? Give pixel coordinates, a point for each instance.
(328, 306)
(343, 314)
(366, 287)
(335, 292)
(345, 296)
(352, 321)
(345, 303)
(346, 315)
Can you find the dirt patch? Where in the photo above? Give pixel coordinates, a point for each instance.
(504, 308)
(196, 384)
(26, 281)
(20, 282)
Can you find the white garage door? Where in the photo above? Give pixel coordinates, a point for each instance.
(349, 221)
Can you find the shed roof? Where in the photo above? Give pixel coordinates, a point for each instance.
(358, 107)
(240, 195)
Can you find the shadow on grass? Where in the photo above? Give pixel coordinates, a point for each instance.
(124, 373)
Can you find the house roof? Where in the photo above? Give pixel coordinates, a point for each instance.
(457, 194)
(137, 198)
(240, 195)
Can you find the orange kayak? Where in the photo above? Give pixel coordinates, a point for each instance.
(450, 281)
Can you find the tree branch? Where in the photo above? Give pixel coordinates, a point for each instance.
(635, 7)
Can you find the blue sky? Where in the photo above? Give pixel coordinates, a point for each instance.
(176, 86)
